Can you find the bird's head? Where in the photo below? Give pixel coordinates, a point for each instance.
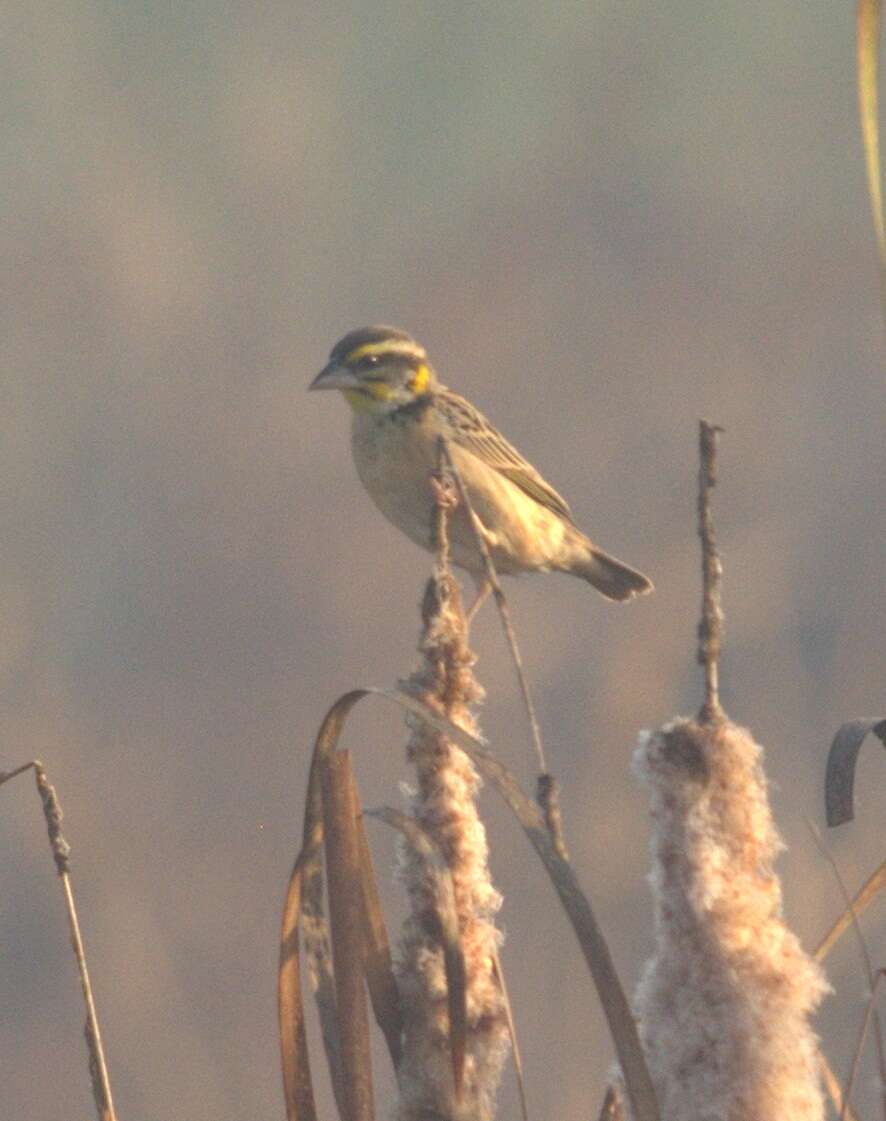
(379, 370)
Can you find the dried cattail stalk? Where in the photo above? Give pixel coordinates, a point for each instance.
(724, 1002)
(444, 803)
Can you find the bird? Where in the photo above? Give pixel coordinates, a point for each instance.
(400, 412)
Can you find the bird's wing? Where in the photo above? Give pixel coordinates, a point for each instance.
(469, 429)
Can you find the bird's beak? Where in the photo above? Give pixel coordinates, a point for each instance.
(334, 376)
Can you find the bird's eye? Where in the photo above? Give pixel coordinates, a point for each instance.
(370, 360)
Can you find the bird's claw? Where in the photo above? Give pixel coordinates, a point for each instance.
(444, 490)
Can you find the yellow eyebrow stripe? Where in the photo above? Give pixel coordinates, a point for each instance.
(388, 346)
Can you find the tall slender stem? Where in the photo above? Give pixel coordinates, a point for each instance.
(710, 629)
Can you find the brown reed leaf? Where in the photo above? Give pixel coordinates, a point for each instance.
(318, 950)
(578, 909)
(304, 907)
(383, 991)
(346, 925)
(298, 1092)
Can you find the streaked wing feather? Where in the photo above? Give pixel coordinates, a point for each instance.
(473, 432)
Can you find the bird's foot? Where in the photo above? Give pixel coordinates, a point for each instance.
(444, 490)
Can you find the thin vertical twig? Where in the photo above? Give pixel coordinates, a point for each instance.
(501, 601)
(710, 628)
(512, 1032)
(61, 851)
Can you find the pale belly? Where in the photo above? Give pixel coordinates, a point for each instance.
(395, 460)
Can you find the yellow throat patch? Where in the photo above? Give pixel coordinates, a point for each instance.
(368, 396)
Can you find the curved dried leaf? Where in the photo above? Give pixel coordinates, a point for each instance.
(298, 1091)
(304, 908)
(596, 953)
(839, 781)
(346, 914)
(315, 931)
(380, 978)
(447, 932)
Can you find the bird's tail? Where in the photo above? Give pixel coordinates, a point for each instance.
(609, 576)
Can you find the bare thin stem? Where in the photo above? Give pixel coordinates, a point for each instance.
(710, 629)
(512, 1032)
(5, 776)
(501, 601)
(98, 1069)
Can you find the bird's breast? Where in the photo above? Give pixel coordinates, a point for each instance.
(394, 458)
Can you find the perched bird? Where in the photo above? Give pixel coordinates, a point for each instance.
(400, 411)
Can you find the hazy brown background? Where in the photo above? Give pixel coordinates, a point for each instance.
(604, 221)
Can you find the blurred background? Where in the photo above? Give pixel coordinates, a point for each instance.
(604, 222)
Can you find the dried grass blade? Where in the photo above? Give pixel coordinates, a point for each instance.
(512, 1032)
(866, 894)
(447, 934)
(298, 1091)
(383, 991)
(340, 812)
(315, 928)
(868, 47)
(839, 781)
